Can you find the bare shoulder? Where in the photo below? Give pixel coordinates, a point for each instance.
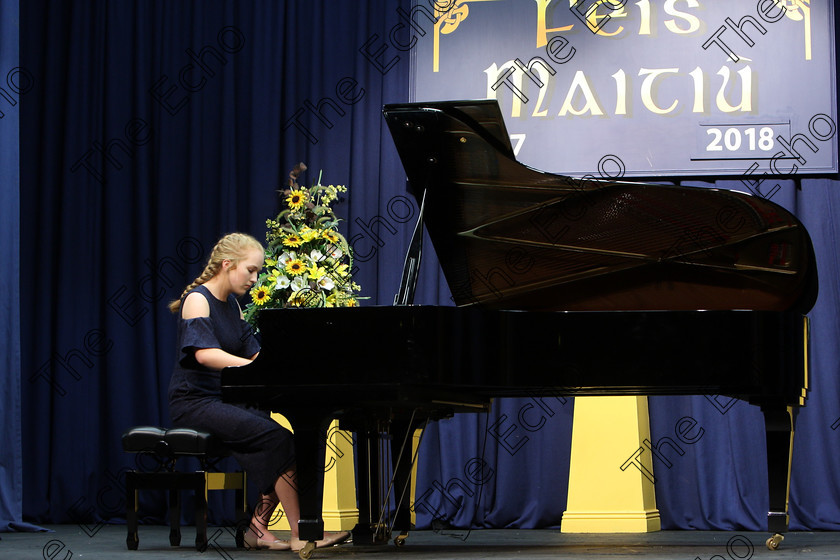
(195, 305)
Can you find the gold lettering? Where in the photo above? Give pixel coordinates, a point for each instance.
(545, 76)
(580, 83)
(799, 10)
(693, 21)
(699, 90)
(644, 25)
(746, 90)
(455, 11)
(542, 28)
(593, 17)
(651, 74)
(494, 73)
(620, 92)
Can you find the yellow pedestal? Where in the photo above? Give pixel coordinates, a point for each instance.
(415, 444)
(603, 498)
(339, 509)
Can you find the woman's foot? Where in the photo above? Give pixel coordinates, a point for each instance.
(329, 539)
(253, 541)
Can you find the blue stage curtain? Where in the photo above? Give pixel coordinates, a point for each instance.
(11, 474)
(155, 127)
(720, 481)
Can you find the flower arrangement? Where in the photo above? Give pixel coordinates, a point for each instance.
(307, 261)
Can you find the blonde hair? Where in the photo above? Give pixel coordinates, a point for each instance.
(232, 247)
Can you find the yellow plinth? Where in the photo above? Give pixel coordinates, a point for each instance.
(415, 444)
(339, 509)
(607, 492)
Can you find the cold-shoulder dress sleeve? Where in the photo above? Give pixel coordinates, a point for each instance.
(195, 334)
(225, 329)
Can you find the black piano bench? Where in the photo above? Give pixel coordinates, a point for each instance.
(162, 448)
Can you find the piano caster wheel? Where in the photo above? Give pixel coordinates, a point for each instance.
(400, 540)
(774, 541)
(306, 551)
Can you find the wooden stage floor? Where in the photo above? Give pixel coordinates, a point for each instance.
(108, 543)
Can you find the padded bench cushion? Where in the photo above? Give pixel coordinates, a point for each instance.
(171, 442)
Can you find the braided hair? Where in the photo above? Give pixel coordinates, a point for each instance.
(232, 247)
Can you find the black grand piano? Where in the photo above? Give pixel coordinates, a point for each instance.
(561, 287)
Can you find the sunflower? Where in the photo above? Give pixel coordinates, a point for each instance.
(260, 295)
(292, 240)
(295, 267)
(330, 236)
(296, 199)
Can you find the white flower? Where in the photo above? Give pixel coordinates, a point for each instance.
(298, 283)
(334, 252)
(282, 282)
(326, 282)
(316, 255)
(286, 257)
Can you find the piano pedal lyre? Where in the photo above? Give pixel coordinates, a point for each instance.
(403, 460)
(381, 532)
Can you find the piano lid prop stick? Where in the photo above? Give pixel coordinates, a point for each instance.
(411, 267)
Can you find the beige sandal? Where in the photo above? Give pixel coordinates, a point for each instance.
(253, 542)
(330, 539)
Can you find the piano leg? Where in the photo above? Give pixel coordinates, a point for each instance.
(310, 431)
(779, 424)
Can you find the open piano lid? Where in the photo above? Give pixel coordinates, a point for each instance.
(512, 237)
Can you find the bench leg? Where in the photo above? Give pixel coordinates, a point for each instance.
(200, 492)
(131, 500)
(174, 517)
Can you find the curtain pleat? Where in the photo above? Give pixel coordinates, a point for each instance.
(11, 472)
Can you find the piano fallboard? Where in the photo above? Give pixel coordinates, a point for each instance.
(407, 355)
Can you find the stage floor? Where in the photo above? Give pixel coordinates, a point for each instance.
(108, 543)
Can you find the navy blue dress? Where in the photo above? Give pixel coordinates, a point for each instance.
(263, 448)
